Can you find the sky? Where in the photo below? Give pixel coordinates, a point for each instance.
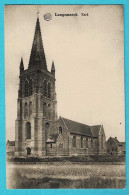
(88, 52)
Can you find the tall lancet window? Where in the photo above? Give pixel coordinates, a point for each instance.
(26, 110)
(60, 130)
(49, 90)
(44, 109)
(30, 87)
(28, 130)
(86, 142)
(45, 88)
(74, 141)
(26, 88)
(30, 109)
(81, 142)
(49, 111)
(91, 142)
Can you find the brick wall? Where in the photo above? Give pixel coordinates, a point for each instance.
(62, 141)
(74, 151)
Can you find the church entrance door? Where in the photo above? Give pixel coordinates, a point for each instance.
(28, 151)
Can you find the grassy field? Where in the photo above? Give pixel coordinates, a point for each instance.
(65, 175)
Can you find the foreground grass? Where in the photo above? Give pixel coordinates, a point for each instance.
(65, 176)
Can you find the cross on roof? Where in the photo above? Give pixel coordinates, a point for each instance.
(37, 12)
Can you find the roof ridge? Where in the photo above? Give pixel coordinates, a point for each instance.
(64, 122)
(115, 140)
(95, 125)
(77, 127)
(75, 121)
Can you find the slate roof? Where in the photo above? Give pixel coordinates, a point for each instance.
(117, 142)
(77, 128)
(95, 130)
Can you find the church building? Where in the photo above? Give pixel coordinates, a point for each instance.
(38, 130)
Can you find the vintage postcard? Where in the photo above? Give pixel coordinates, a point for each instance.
(65, 101)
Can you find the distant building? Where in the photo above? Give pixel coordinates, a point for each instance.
(115, 147)
(10, 147)
(38, 131)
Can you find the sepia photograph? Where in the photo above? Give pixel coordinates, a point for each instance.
(65, 98)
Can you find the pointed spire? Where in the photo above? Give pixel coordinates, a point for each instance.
(53, 68)
(102, 126)
(21, 65)
(37, 55)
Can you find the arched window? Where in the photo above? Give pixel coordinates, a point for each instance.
(47, 125)
(86, 142)
(28, 130)
(45, 88)
(91, 142)
(44, 109)
(26, 110)
(81, 142)
(60, 130)
(26, 89)
(30, 87)
(49, 90)
(74, 141)
(49, 111)
(30, 109)
(102, 141)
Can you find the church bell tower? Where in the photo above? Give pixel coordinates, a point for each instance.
(36, 103)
